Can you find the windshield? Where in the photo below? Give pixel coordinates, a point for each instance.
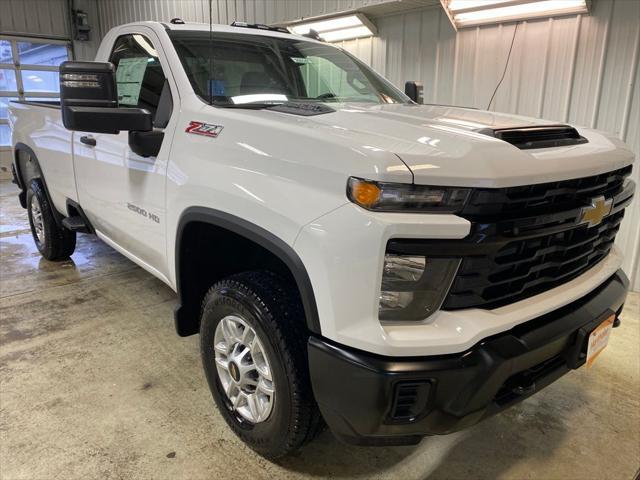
(250, 69)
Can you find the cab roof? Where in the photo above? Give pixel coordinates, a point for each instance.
(249, 29)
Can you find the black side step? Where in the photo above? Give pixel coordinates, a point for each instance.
(75, 224)
(77, 221)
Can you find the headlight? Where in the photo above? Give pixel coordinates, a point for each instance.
(401, 197)
(414, 287)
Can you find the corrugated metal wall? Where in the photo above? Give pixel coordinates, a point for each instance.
(49, 19)
(116, 12)
(39, 17)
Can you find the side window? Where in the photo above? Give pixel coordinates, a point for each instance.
(141, 81)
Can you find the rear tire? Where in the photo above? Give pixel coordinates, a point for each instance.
(259, 305)
(54, 242)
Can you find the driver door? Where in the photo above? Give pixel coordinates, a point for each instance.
(122, 193)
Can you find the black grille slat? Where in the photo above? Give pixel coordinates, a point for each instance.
(553, 196)
(553, 248)
(531, 270)
(545, 266)
(505, 277)
(549, 279)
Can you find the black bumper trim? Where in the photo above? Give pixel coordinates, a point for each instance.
(357, 391)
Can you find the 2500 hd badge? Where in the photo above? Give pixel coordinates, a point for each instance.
(143, 212)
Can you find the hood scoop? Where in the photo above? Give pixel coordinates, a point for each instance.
(546, 136)
(304, 109)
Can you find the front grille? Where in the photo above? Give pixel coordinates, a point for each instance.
(532, 242)
(526, 240)
(523, 268)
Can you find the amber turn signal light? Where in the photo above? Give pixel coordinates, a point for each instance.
(364, 193)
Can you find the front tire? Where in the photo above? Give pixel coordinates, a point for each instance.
(253, 343)
(54, 242)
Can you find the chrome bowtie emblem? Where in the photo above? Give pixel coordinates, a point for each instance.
(234, 371)
(594, 214)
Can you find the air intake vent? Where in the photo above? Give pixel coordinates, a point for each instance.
(538, 137)
(410, 401)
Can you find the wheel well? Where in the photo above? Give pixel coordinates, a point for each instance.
(27, 168)
(210, 249)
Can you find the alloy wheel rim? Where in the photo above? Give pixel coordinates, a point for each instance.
(36, 218)
(244, 369)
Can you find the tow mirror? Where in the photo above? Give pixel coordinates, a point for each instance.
(89, 100)
(413, 90)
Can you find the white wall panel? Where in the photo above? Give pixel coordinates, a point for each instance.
(116, 12)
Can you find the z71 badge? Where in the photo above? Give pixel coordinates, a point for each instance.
(206, 129)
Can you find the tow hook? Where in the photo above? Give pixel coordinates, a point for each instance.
(524, 389)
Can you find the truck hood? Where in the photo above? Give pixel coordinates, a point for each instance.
(443, 145)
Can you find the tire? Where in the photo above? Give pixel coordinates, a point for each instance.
(272, 309)
(54, 242)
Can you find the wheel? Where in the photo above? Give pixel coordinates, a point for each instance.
(54, 242)
(253, 342)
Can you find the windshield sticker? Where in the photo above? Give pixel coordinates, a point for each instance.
(216, 87)
(206, 129)
(129, 77)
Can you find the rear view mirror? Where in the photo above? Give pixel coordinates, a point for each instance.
(89, 100)
(413, 90)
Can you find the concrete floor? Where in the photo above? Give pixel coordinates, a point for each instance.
(95, 384)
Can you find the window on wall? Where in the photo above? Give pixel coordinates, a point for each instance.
(28, 70)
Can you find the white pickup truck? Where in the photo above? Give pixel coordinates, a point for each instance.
(347, 255)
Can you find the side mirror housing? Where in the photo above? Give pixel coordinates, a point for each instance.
(146, 144)
(89, 100)
(88, 84)
(413, 90)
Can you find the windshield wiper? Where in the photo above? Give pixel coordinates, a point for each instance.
(248, 106)
(305, 109)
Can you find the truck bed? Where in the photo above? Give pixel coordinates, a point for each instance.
(38, 125)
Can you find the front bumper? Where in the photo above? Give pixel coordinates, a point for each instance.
(369, 399)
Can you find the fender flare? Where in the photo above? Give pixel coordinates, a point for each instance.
(258, 235)
(22, 182)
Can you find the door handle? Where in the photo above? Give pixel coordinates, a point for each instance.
(88, 140)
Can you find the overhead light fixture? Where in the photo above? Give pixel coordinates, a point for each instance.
(469, 13)
(336, 29)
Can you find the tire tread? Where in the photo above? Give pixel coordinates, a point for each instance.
(285, 316)
(60, 242)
